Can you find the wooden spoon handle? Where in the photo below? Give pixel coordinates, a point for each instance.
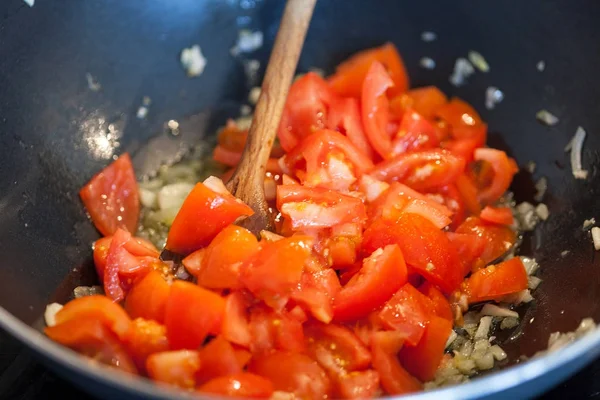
(275, 88)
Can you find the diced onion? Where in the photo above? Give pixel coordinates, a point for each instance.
(270, 236)
(541, 65)
(493, 310)
(216, 185)
(147, 197)
(50, 313)
(498, 353)
(453, 335)
(588, 223)
(533, 282)
(493, 96)
(82, 291)
(509, 322)
(484, 328)
(173, 195)
(193, 61)
(576, 148)
(427, 63)
(542, 211)
(596, 237)
(546, 117)
(531, 266)
(462, 70)
(541, 186)
(428, 36)
(478, 61)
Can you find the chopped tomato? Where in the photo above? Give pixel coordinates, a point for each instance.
(218, 265)
(111, 197)
(89, 335)
(215, 210)
(458, 113)
(393, 377)
(218, 358)
(270, 330)
(145, 337)
(316, 292)
(351, 73)
(421, 170)
(318, 208)
(136, 246)
(344, 116)
(336, 348)
(232, 158)
(408, 311)
(499, 238)
(425, 100)
(358, 385)
(423, 359)
(116, 259)
(235, 320)
(305, 110)
(469, 247)
(415, 133)
(294, 373)
(100, 308)
(381, 275)
(497, 215)
(191, 314)
(496, 281)
(231, 137)
(342, 251)
(243, 357)
(148, 298)
(468, 193)
(277, 268)
(504, 170)
(441, 306)
(425, 248)
(242, 385)
(177, 368)
(375, 112)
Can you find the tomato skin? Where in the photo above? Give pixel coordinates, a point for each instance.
(100, 308)
(318, 208)
(423, 359)
(90, 336)
(344, 116)
(218, 358)
(497, 215)
(414, 133)
(358, 385)
(276, 268)
(393, 377)
(244, 385)
(498, 238)
(381, 275)
(293, 372)
(145, 337)
(217, 266)
(177, 368)
(305, 110)
(111, 197)
(148, 298)
(235, 320)
(191, 314)
(421, 170)
(336, 348)
(496, 281)
(215, 210)
(425, 248)
(375, 113)
(349, 75)
(504, 170)
(408, 311)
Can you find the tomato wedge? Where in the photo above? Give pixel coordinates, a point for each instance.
(498, 238)
(423, 359)
(215, 210)
(111, 197)
(270, 330)
(145, 337)
(504, 170)
(294, 373)
(425, 100)
(191, 314)
(316, 292)
(496, 281)
(381, 275)
(497, 215)
(415, 133)
(393, 377)
(344, 116)
(218, 265)
(441, 306)
(235, 320)
(350, 74)
(375, 108)
(421, 170)
(242, 385)
(148, 298)
(458, 113)
(218, 358)
(90, 336)
(358, 385)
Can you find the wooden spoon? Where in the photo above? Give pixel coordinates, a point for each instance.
(247, 182)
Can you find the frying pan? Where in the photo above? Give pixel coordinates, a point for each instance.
(56, 133)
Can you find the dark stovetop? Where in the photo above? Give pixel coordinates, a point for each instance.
(23, 378)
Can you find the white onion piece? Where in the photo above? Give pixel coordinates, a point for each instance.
(173, 195)
(147, 197)
(542, 211)
(193, 61)
(531, 266)
(484, 328)
(533, 282)
(270, 236)
(478, 61)
(576, 148)
(493, 310)
(546, 117)
(596, 237)
(216, 185)
(498, 353)
(50, 313)
(453, 335)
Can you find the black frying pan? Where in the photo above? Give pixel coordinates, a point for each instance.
(50, 125)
